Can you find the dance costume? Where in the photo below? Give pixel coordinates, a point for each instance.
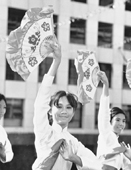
(107, 139)
(47, 136)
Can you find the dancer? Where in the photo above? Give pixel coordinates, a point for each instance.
(56, 148)
(6, 153)
(110, 125)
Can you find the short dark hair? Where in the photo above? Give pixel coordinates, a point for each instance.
(115, 111)
(2, 97)
(72, 99)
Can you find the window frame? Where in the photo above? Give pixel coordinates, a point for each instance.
(77, 34)
(11, 117)
(105, 37)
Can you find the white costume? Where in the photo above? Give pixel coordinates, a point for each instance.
(7, 145)
(107, 139)
(46, 136)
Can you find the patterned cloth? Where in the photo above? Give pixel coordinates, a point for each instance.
(30, 44)
(87, 68)
(128, 72)
(47, 136)
(49, 162)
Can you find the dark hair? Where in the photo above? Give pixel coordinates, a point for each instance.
(72, 99)
(115, 111)
(2, 97)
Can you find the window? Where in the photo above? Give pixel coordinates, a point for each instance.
(125, 84)
(14, 113)
(14, 18)
(105, 35)
(72, 73)
(76, 121)
(55, 20)
(82, 1)
(11, 75)
(127, 110)
(127, 38)
(43, 68)
(77, 31)
(128, 5)
(105, 2)
(107, 68)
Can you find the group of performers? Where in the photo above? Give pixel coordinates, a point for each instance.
(56, 148)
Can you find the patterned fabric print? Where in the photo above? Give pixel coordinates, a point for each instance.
(87, 73)
(32, 61)
(34, 40)
(14, 50)
(88, 88)
(91, 62)
(34, 14)
(87, 69)
(45, 26)
(83, 97)
(13, 53)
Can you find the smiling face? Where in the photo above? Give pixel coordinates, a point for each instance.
(63, 112)
(2, 108)
(118, 123)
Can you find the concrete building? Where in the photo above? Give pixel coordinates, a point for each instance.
(104, 27)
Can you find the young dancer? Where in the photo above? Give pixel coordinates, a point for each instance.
(110, 125)
(56, 148)
(6, 153)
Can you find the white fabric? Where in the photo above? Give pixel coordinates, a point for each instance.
(107, 139)
(46, 135)
(7, 145)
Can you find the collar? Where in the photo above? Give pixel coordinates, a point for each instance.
(58, 128)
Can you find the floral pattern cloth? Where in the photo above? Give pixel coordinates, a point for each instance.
(30, 44)
(87, 68)
(128, 72)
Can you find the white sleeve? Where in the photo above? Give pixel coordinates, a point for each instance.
(126, 163)
(41, 107)
(88, 158)
(104, 115)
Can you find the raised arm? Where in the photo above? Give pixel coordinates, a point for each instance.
(41, 106)
(103, 115)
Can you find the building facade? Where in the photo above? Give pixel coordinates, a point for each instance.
(98, 25)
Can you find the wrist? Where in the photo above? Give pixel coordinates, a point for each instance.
(76, 160)
(57, 61)
(106, 84)
(73, 158)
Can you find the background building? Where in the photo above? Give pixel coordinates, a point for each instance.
(103, 26)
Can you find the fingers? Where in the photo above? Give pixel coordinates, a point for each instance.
(128, 145)
(101, 73)
(123, 144)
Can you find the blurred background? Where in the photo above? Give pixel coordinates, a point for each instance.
(103, 26)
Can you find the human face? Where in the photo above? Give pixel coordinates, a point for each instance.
(2, 108)
(63, 113)
(118, 123)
